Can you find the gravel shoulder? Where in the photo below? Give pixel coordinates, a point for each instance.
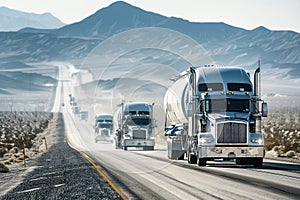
(59, 173)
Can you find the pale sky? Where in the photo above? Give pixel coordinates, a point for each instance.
(248, 14)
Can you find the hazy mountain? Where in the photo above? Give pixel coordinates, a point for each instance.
(226, 44)
(121, 16)
(118, 17)
(24, 81)
(13, 20)
(31, 47)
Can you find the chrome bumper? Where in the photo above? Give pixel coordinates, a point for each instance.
(138, 143)
(230, 152)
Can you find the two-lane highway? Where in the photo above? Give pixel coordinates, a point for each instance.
(150, 175)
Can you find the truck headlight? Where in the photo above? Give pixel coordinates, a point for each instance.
(257, 141)
(127, 137)
(206, 138)
(256, 138)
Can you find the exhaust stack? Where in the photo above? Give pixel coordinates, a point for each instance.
(256, 81)
(257, 116)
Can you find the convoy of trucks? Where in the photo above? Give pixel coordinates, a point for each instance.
(135, 126)
(211, 113)
(83, 115)
(215, 113)
(103, 127)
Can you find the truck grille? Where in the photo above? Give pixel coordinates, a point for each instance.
(231, 132)
(139, 134)
(104, 132)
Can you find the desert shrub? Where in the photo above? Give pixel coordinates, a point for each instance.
(17, 128)
(282, 128)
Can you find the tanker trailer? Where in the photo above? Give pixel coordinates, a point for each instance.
(221, 115)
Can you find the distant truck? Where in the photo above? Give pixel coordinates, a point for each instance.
(215, 113)
(84, 115)
(135, 126)
(103, 127)
(75, 109)
(72, 100)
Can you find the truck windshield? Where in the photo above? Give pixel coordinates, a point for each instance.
(227, 105)
(104, 120)
(139, 121)
(135, 112)
(104, 125)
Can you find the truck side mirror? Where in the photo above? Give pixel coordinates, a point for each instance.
(167, 131)
(264, 109)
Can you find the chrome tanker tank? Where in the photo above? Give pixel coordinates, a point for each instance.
(175, 102)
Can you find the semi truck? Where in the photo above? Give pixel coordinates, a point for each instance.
(103, 127)
(135, 126)
(215, 113)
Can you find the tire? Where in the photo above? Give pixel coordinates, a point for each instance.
(240, 161)
(181, 157)
(148, 148)
(201, 162)
(192, 159)
(188, 157)
(258, 162)
(124, 148)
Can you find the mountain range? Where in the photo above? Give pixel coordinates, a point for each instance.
(14, 20)
(226, 44)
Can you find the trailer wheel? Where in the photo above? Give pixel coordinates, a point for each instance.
(201, 162)
(181, 157)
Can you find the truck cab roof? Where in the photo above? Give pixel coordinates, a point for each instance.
(223, 79)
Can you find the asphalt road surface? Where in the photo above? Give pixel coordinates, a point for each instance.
(150, 175)
(62, 173)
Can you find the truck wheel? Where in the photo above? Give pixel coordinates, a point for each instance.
(258, 162)
(240, 161)
(124, 148)
(148, 148)
(192, 159)
(201, 162)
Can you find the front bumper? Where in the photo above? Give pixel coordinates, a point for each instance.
(103, 138)
(138, 143)
(231, 152)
